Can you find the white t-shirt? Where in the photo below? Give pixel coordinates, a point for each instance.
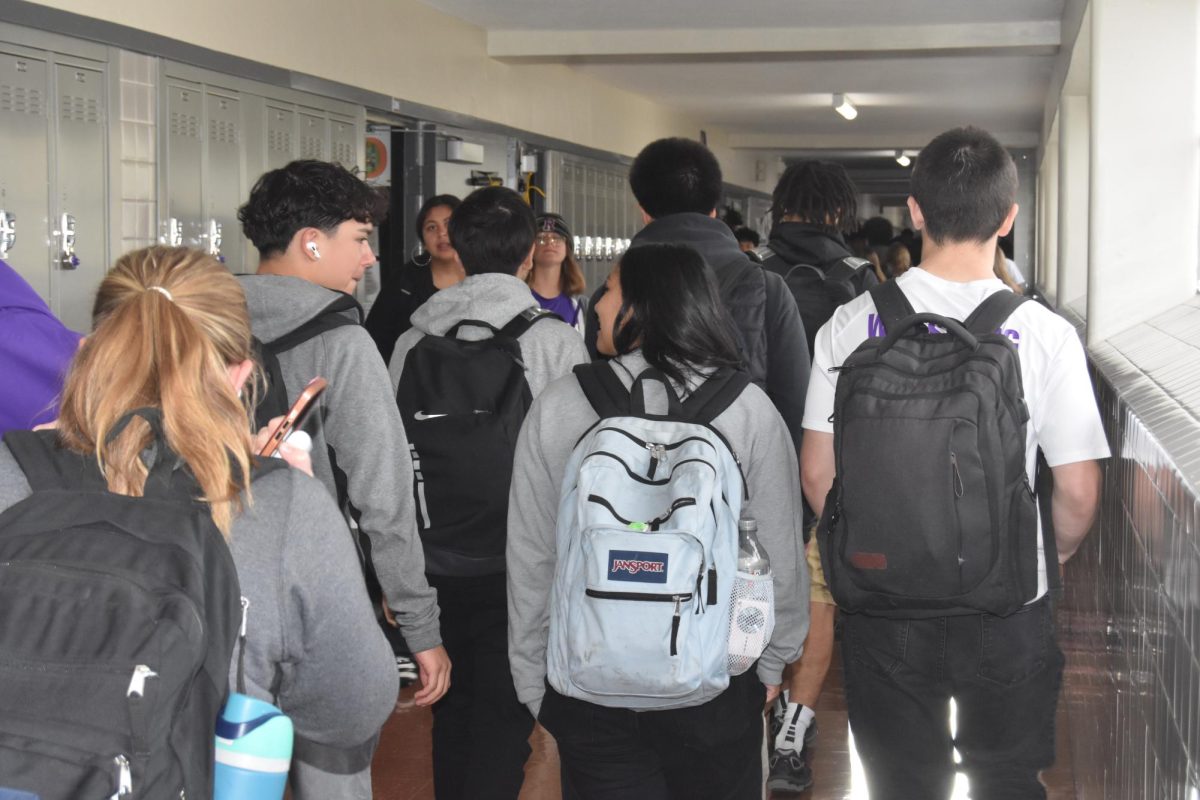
(1063, 417)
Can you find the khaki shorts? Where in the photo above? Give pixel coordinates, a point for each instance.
(818, 591)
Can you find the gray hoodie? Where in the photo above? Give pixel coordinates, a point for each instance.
(309, 618)
(553, 427)
(549, 349)
(361, 424)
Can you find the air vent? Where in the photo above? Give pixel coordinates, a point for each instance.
(311, 147)
(223, 131)
(80, 109)
(20, 100)
(279, 141)
(343, 153)
(185, 125)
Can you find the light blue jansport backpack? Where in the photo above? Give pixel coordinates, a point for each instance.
(647, 547)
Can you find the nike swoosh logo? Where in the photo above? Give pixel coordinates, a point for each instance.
(421, 416)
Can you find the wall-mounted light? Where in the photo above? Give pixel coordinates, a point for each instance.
(844, 107)
(902, 159)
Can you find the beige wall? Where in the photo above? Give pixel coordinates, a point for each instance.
(407, 50)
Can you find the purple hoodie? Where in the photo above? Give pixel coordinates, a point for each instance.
(35, 350)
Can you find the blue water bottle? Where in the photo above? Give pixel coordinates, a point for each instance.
(254, 742)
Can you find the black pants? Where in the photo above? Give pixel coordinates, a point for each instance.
(708, 752)
(1004, 674)
(480, 729)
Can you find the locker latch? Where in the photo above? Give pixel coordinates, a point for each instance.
(68, 259)
(214, 240)
(8, 232)
(174, 232)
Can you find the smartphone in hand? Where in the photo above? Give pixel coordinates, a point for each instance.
(296, 415)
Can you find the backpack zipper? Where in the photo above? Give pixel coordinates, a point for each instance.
(676, 617)
(137, 684)
(657, 453)
(124, 777)
(956, 479)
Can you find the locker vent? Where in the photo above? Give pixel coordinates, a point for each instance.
(280, 141)
(20, 100)
(80, 109)
(223, 131)
(343, 153)
(311, 147)
(185, 125)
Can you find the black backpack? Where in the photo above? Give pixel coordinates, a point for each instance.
(117, 622)
(931, 512)
(820, 290)
(463, 403)
(274, 401)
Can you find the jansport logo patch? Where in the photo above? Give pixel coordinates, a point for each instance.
(637, 567)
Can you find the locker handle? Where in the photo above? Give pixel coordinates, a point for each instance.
(8, 232)
(68, 259)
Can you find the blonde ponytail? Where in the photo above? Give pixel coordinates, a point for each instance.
(168, 323)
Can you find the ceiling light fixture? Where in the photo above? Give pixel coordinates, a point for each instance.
(843, 106)
(902, 159)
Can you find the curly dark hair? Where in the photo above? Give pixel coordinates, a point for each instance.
(306, 194)
(671, 176)
(820, 193)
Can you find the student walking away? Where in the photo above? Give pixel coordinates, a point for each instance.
(556, 279)
(677, 183)
(407, 287)
(35, 350)
(813, 203)
(620, 608)
(113, 567)
(464, 376)
(920, 448)
(310, 222)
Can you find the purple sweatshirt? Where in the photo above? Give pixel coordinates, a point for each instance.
(35, 350)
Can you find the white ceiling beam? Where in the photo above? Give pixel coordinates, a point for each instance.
(852, 140)
(773, 42)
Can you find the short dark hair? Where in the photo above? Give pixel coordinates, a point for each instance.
(448, 200)
(965, 183)
(306, 194)
(671, 176)
(744, 234)
(674, 311)
(878, 231)
(820, 193)
(492, 231)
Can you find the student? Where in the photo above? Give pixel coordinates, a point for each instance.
(406, 288)
(310, 221)
(480, 729)
(1003, 672)
(747, 238)
(35, 349)
(556, 279)
(311, 641)
(660, 309)
(677, 183)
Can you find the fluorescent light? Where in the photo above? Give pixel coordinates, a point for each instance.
(902, 159)
(844, 107)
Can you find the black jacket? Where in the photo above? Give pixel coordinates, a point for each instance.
(402, 294)
(769, 331)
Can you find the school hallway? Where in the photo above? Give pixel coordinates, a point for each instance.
(402, 765)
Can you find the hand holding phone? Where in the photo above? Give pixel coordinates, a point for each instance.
(296, 415)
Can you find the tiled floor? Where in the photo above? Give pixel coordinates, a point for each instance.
(402, 770)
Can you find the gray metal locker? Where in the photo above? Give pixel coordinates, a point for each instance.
(182, 202)
(224, 178)
(281, 134)
(314, 135)
(80, 204)
(345, 140)
(25, 178)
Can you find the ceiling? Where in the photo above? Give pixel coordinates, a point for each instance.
(766, 70)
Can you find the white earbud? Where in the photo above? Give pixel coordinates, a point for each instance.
(312, 248)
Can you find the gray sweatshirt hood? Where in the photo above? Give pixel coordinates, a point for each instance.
(279, 304)
(492, 297)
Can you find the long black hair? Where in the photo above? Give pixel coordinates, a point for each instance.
(448, 200)
(672, 311)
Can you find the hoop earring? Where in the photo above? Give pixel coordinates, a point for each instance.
(416, 252)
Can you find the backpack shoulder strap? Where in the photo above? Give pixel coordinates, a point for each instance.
(603, 389)
(891, 304)
(524, 321)
(40, 458)
(794, 268)
(328, 319)
(715, 395)
(992, 312)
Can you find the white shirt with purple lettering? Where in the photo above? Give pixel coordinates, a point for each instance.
(1064, 419)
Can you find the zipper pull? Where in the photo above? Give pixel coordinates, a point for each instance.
(245, 608)
(124, 777)
(675, 625)
(657, 451)
(137, 684)
(957, 482)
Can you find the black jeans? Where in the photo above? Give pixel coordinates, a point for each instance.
(707, 752)
(1004, 674)
(480, 729)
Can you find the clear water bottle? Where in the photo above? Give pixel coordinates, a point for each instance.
(752, 603)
